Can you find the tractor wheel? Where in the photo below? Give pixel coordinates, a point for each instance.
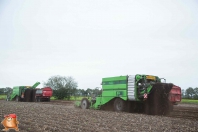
(7, 98)
(119, 105)
(35, 99)
(17, 99)
(85, 103)
(27, 95)
(38, 99)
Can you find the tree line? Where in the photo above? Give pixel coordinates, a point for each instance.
(5, 91)
(65, 87)
(190, 93)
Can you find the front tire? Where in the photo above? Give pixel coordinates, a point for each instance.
(17, 99)
(38, 99)
(119, 105)
(85, 103)
(7, 98)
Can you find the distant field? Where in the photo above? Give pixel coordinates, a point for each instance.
(2, 97)
(72, 98)
(189, 101)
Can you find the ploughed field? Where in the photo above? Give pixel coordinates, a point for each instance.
(62, 116)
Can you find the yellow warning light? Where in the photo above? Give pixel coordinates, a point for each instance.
(150, 77)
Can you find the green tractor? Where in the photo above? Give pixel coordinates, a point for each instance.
(134, 93)
(23, 93)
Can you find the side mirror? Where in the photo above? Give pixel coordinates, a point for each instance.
(163, 79)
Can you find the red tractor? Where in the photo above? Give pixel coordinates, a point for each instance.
(43, 94)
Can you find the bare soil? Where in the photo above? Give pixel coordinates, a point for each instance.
(62, 116)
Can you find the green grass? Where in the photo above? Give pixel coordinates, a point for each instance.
(2, 97)
(72, 98)
(189, 101)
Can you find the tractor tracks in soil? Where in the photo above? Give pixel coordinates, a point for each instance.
(184, 113)
(180, 111)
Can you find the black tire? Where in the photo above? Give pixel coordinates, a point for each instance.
(7, 98)
(27, 95)
(35, 99)
(85, 104)
(119, 105)
(33, 92)
(17, 99)
(38, 99)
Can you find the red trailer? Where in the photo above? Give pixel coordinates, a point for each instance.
(43, 94)
(175, 95)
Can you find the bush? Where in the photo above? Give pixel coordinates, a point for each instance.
(61, 93)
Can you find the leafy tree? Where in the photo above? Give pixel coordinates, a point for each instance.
(5, 90)
(89, 91)
(196, 93)
(1, 90)
(183, 93)
(8, 90)
(189, 93)
(63, 87)
(97, 91)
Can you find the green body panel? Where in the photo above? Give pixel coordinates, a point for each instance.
(108, 96)
(117, 87)
(112, 83)
(36, 84)
(18, 90)
(112, 87)
(114, 93)
(114, 78)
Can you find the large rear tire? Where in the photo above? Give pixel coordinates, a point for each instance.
(33, 92)
(119, 105)
(27, 95)
(85, 104)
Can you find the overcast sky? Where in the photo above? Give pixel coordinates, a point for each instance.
(92, 39)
